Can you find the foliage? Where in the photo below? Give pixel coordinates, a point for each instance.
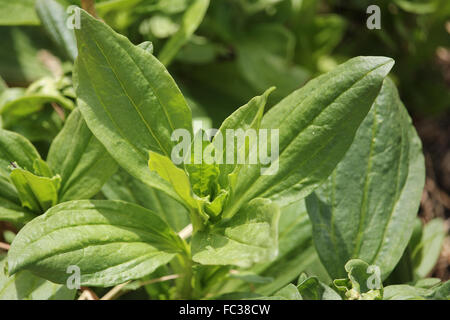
(87, 176)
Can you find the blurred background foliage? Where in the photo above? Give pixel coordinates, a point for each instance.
(224, 52)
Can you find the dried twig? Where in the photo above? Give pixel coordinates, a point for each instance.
(162, 279)
(4, 246)
(114, 291)
(59, 111)
(186, 232)
(87, 294)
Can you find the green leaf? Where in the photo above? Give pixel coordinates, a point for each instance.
(427, 282)
(41, 168)
(11, 211)
(80, 159)
(316, 126)
(37, 127)
(249, 237)
(190, 22)
(24, 65)
(54, 18)
(363, 282)
(36, 193)
(296, 253)
(147, 46)
(18, 12)
(33, 99)
(124, 187)
(404, 292)
(175, 176)
(7, 190)
(408, 292)
(362, 287)
(128, 99)
(426, 253)
(311, 288)
(15, 148)
(26, 286)
(366, 208)
(250, 277)
(110, 241)
(417, 7)
(441, 292)
(246, 117)
(290, 292)
(203, 172)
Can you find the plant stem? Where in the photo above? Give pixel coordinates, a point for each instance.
(182, 265)
(87, 294)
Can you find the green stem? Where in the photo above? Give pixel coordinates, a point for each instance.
(183, 265)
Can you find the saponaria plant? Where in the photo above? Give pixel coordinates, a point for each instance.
(344, 142)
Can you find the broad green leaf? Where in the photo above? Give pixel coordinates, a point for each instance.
(15, 148)
(128, 99)
(427, 282)
(316, 126)
(247, 117)
(290, 292)
(404, 270)
(110, 241)
(80, 159)
(295, 254)
(124, 187)
(11, 211)
(175, 176)
(18, 12)
(35, 193)
(190, 22)
(441, 292)
(311, 288)
(54, 19)
(426, 253)
(26, 286)
(366, 208)
(249, 237)
(404, 292)
(408, 292)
